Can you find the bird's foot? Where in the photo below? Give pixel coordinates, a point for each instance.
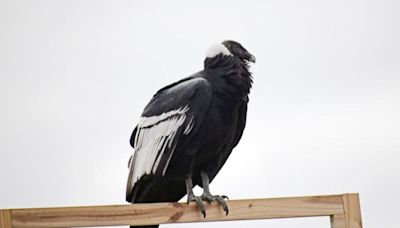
(199, 202)
(217, 198)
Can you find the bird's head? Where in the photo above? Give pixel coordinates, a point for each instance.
(236, 49)
(228, 48)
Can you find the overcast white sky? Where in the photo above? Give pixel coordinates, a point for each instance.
(323, 115)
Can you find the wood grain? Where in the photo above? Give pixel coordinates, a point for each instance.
(338, 221)
(159, 213)
(5, 219)
(344, 211)
(352, 210)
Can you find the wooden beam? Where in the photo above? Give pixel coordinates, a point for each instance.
(5, 219)
(352, 210)
(161, 213)
(338, 221)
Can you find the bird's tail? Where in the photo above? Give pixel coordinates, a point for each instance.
(153, 226)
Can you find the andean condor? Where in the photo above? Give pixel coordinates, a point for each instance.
(189, 129)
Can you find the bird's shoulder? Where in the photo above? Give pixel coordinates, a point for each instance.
(179, 94)
(194, 81)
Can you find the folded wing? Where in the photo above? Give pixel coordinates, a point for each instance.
(174, 112)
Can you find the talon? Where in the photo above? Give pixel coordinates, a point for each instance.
(201, 206)
(222, 202)
(191, 197)
(220, 199)
(199, 203)
(206, 196)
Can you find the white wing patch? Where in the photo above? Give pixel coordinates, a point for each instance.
(155, 134)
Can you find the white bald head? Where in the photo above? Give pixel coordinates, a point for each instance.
(217, 49)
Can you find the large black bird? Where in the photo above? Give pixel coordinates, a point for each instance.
(189, 129)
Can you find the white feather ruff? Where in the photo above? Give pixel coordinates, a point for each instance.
(155, 134)
(217, 49)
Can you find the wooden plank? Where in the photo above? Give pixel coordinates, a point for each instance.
(338, 221)
(352, 210)
(159, 213)
(5, 219)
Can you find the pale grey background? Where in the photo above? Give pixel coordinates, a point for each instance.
(323, 115)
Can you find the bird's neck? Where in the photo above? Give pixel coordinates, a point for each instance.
(230, 75)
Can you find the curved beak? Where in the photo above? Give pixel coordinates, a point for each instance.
(252, 59)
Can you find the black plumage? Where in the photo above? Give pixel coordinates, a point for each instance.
(189, 128)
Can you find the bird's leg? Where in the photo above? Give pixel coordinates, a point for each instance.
(191, 197)
(207, 196)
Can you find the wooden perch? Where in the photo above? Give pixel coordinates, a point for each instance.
(344, 211)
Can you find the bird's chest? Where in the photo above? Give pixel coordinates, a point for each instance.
(220, 126)
(221, 113)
